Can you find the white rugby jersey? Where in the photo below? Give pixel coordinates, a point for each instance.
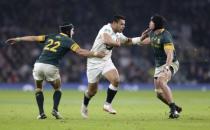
(100, 46)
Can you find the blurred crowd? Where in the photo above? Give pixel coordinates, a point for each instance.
(188, 21)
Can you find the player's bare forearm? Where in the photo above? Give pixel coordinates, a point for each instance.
(83, 52)
(128, 42)
(107, 39)
(87, 53)
(27, 39)
(143, 39)
(137, 41)
(169, 54)
(23, 39)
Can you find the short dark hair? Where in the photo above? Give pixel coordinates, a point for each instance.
(116, 18)
(66, 28)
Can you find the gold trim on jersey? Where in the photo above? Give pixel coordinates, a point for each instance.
(169, 46)
(41, 38)
(64, 34)
(74, 47)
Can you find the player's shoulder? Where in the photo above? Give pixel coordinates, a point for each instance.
(47, 36)
(106, 28)
(166, 33)
(50, 36)
(166, 36)
(62, 37)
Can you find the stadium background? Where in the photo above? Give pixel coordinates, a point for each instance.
(188, 22)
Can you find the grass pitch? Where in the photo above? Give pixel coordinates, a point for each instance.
(136, 111)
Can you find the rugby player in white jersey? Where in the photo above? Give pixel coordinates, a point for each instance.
(109, 36)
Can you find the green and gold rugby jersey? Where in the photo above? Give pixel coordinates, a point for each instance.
(160, 42)
(55, 47)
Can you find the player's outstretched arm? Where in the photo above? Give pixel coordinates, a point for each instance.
(87, 53)
(132, 41)
(137, 41)
(25, 39)
(107, 39)
(143, 39)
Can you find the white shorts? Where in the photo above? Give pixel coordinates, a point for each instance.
(46, 72)
(174, 65)
(95, 73)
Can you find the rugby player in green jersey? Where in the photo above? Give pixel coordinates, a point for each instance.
(47, 65)
(166, 63)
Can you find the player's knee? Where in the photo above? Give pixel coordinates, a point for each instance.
(56, 84)
(158, 91)
(57, 88)
(115, 82)
(38, 84)
(38, 89)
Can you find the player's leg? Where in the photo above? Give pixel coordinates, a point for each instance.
(52, 76)
(89, 93)
(113, 77)
(161, 82)
(56, 97)
(39, 77)
(161, 96)
(159, 92)
(93, 76)
(57, 93)
(40, 99)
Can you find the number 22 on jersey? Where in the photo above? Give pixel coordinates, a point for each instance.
(52, 45)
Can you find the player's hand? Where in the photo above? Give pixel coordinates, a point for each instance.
(100, 54)
(11, 41)
(167, 72)
(145, 34)
(118, 42)
(146, 31)
(166, 68)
